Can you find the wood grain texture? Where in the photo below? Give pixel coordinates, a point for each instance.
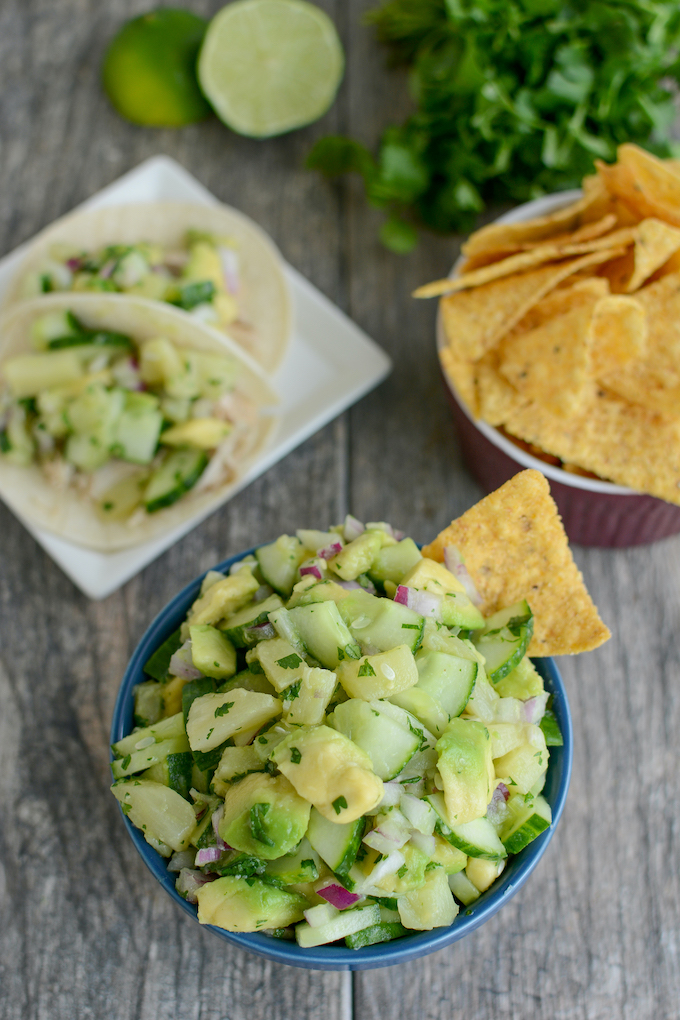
(84, 930)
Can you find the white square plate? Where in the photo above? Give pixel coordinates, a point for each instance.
(330, 364)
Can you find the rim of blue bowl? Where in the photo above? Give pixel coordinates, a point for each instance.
(336, 957)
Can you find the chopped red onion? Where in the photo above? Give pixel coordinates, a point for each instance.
(504, 790)
(189, 882)
(337, 895)
(352, 528)
(497, 809)
(208, 855)
(426, 603)
(533, 710)
(230, 269)
(313, 570)
(330, 551)
(384, 841)
(349, 585)
(181, 664)
(456, 564)
(216, 819)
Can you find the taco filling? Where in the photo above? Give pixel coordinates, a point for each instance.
(130, 426)
(201, 276)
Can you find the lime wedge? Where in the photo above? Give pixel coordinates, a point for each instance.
(269, 66)
(148, 70)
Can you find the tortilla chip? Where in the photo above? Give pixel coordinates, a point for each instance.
(654, 244)
(595, 204)
(497, 399)
(475, 320)
(619, 271)
(623, 442)
(654, 379)
(619, 333)
(462, 374)
(522, 261)
(644, 183)
(515, 547)
(582, 293)
(552, 363)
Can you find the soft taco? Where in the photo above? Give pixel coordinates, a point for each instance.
(120, 417)
(211, 261)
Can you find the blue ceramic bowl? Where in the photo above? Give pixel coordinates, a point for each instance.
(338, 957)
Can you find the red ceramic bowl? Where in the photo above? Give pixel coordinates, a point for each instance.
(594, 512)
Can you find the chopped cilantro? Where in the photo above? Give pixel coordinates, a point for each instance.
(291, 661)
(295, 756)
(339, 804)
(223, 709)
(366, 669)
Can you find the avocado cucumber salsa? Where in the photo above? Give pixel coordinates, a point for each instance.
(131, 426)
(335, 744)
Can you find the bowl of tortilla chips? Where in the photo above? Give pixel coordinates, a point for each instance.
(559, 342)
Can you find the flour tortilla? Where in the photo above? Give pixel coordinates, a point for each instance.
(67, 513)
(264, 300)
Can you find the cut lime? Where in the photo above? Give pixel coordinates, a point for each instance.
(269, 66)
(150, 69)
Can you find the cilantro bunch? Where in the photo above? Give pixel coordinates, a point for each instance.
(515, 99)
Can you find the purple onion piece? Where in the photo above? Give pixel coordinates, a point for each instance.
(189, 882)
(181, 666)
(456, 564)
(426, 603)
(208, 855)
(352, 528)
(338, 896)
(313, 570)
(230, 269)
(73, 264)
(330, 551)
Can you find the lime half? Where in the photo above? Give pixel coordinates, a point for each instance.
(149, 69)
(269, 66)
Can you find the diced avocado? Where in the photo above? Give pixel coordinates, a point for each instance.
(204, 264)
(525, 764)
(466, 769)
(118, 501)
(279, 562)
(393, 562)
(214, 718)
(310, 590)
(279, 660)
(431, 905)
(329, 771)
(235, 763)
(162, 814)
(450, 857)
(247, 904)
(428, 575)
(203, 433)
(159, 361)
(28, 374)
(379, 676)
(483, 873)
(388, 744)
(263, 815)
(411, 875)
(211, 652)
(324, 633)
(224, 598)
(523, 682)
(357, 557)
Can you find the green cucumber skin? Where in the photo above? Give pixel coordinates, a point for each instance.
(526, 833)
(385, 931)
(184, 480)
(343, 868)
(157, 666)
(180, 765)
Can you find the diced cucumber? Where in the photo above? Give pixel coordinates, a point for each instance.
(385, 931)
(447, 678)
(337, 844)
(476, 839)
(463, 889)
(316, 540)
(458, 611)
(394, 561)
(346, 923)
(235, 763)
(178, 473)
(379, 623)
(212, 652)
(148, 703)
(551, 729)
(525, 764)
(279, 562)
(193, 690)
(157, 665)
(388, 744)
(163, 730)
(175, 772)
(325, 634)
(505, 639)
(238, 627)
(202, 433)
(525, 821)
(357, 557)
(144, 758)
(249, 682)
(424, 708)
(282, 623)
(224, 598)
(158, 811)
(309, 589)
(300, 866)
(137, 430)
(238, 903)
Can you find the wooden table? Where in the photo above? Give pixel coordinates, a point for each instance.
(85, 932)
